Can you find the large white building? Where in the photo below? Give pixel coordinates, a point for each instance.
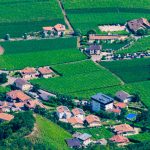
(101, 102)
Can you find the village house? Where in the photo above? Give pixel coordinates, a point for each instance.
(116, 111)
(18, 106)
(119, 139)
(22, 84)
(75, 122)
(124, 129)
(63, 112)
(73, 143)
(136, 24)
(101, 102)
(111, 38)
(6, 117)
(29, 73)
(93, 121)
(102, 141)
(123, 96)
(17, 96)
(85, 139)
(5, 106)
(33, 103)
(78, 112)
(60, 29)
(94, 49)
(45, 72)
(120, 105)
(48, 30)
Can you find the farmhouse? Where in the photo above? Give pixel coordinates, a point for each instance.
(16, 96)
(136, 24)
(22, 84)
(48, 30)
(73, 143)
(60, 29)
(93, 121)
(29, 73)
(101, 102)
(5, 106)
(94, 49)
(6, 117)
(95, 37)
(124, 129)
(123, 96)
(45, 72)
(19, 106)
(33, 103)
(63, 112)
(85, 139)
(120, 105)
(78, 113)
(75, 122)
(119, 139)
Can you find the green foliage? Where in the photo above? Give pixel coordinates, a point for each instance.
(3, 78)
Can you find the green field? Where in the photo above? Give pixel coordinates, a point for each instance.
(49, 134)
(141, 137)
(97, 133)
(21, 16)
(140, 45)
(77, 77)
(86, 15)
(130, 70)
(20, 54)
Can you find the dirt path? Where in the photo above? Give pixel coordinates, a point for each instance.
(1, 50)
(65, 16)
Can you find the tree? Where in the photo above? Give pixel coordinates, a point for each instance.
(77, 32)
(3, 78)
(91, 32)
(7, 37)
(136, 98)
(141, 32)
(36, 87)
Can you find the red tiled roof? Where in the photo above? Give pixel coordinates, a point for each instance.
(28, 70)
(45, 70)
(17, 94)
(48, 28)
(92, 118)
(34, 103)
(120, 105)
(119, 139)
(61, 109)
(60, 27)
(118, 111)
(6, 117)
(123, 128)
(77, 111)
(20, 104)
(75, 120)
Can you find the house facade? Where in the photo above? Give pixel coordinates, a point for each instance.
(94, 49)
(75, 122)
(45, 72)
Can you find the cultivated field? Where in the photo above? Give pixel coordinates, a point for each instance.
(78, 77)
(130, 70)
(20, 54)
(88, 14)
(18, 17)
(139, 46)
(49, 134)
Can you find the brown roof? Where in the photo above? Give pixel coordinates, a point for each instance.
(48, 28)
(6, 117)
(17, 94)
(105, 37)
(77, 111)
(136, 24)
(61, 109)
(92, 118)
(75, 120)
(120, 105)
(34, 103)
(123, 128)
(28, 70)
(60, 27)
(45, 70)
(119, 139)
(20, 104)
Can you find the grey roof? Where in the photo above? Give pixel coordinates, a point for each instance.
(73, 142)
(122, 95)
(102, 98)
(95, 47)
(84, 136)
(21, 82)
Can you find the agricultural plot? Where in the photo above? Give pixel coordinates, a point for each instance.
(86, 15)
(140, 45)
(130, 70)
(35, 53)
(97, 133)
(77, 77)
(18, 17)
(46, 134)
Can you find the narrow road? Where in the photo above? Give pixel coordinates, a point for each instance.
(65, 16)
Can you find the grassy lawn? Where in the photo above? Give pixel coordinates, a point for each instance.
(18, 17)
(97, 133)
(77, 77)
(130, 70)
(87, 15)
(141, 137)
(140, 45)
(37, 53)
(49, 134)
